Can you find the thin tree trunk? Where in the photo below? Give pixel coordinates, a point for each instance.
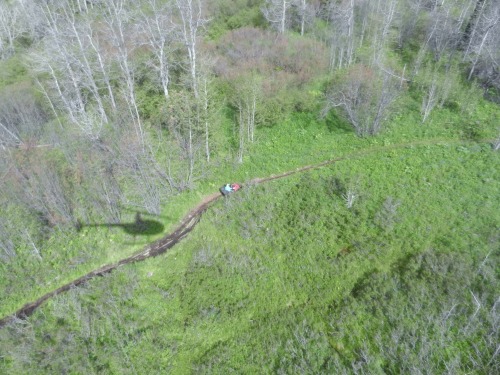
(164, 73)
(87, 68)
(205, 109)
(190, 24)
(241, 134)
(303, 16)
(63, 98)
(429, 101)
(350, 34)
(252, 120)
(105, 75)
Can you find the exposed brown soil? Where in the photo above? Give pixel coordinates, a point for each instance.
(186, 225)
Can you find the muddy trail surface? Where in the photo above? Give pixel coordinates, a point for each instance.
(191, 219)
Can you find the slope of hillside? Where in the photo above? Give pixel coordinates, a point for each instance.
(286, 277)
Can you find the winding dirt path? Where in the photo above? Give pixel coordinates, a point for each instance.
(193, 217)
(154, 249)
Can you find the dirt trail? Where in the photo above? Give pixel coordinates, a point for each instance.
(154, 249)
(188, 223)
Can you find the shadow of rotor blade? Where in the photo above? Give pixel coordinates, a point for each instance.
(138, 228)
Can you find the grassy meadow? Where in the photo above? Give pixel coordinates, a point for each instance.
(291, 277)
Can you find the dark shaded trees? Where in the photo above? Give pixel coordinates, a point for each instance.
(484, 43)
(472, 23)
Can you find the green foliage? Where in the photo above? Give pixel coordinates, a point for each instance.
(231, 15)
(149, 101)
(12, 71)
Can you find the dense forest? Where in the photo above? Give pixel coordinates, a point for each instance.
(117, 117)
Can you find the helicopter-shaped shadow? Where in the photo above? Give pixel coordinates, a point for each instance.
(139, 227)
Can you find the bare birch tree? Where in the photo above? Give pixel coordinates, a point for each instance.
(71, 50)
(377, 19)
(496, 143)
(444, 29)
(79, 31)
(277, 14)
(159, 29)
(190, 13)
(470, 29)
(13, 24)
(484, 39)
(103, 64)
(208, 107)
(437, 80)
(305, 12)
(365, 97)
(7, 247)
(71, 77)
(186, 139)
(7, 18)
(342, 37)
(247, 97)
(119, 26)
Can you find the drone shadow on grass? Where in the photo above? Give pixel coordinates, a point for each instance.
(139, 227)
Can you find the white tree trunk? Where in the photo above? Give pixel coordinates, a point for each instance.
(190, 13)
(103, 70)
(86, 66)
(283, 16)
(159, 30)
(276, 13)
(115, 17)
